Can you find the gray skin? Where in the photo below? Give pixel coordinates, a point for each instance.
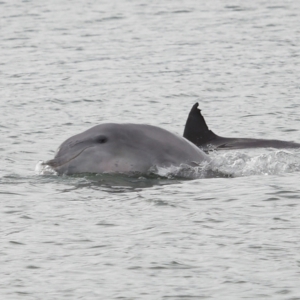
(197, 132)
(124, 148)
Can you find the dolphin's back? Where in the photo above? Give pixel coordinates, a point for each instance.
(197, 132)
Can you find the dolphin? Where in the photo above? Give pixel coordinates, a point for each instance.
(197, 132)
(124, 148)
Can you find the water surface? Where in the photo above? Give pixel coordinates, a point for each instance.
(67, 66)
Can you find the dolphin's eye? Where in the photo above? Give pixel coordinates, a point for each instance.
(101, 139)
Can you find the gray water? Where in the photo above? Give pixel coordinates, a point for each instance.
(69, 65)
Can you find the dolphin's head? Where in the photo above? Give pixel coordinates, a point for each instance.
(106, 148)
(123, 148)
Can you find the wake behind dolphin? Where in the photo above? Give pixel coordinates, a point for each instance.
(124, 148)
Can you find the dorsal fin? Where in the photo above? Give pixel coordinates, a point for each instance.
(196, 130)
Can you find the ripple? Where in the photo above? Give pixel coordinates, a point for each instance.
(70, 64)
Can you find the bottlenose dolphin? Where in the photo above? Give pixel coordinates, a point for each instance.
(197, 132)
(124, 148)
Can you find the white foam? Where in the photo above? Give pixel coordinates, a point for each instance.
(245, 164)
(42, 169)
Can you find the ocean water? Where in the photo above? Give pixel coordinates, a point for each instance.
(69, 65)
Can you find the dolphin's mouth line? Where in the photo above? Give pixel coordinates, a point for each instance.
(53, 162)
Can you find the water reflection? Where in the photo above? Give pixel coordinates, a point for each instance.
(114, 183)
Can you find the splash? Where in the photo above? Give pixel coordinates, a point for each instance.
(203, 170)
(42, 169)
(223, 164)
(246, 164)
